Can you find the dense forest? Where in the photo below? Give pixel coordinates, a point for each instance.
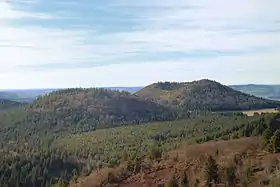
(69, 133)
(62, 159)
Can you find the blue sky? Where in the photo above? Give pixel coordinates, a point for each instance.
(70, 43)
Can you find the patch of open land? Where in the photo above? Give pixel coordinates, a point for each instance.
(269, 110)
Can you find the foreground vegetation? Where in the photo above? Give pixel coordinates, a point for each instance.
(237, 162)
(58, 160)
(245, 162)
(69, 133)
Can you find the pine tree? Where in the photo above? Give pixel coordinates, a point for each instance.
(266, 136)
(185, 180)
(274, 143)
(211, 171)
(230, 176)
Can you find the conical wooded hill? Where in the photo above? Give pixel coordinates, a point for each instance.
(202, 94)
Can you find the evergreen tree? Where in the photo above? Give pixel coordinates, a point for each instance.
(266, 136)
(185, 180)
(274, 144)
(231, 178)
(211, 171)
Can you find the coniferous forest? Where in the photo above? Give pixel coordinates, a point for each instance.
(67, 134)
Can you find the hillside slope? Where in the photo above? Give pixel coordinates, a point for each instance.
(155, 164)
(202, 94)
(192, 160)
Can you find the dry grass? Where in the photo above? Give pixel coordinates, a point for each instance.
(251, 112)
(261, 164)
(102, 177)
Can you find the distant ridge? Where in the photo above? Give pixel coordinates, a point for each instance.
(29, 95)
(202, 94)
(7, 104)
(259, 90)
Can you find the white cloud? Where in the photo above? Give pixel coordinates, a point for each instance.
(186, 27)
(228, 70)
(7, 11)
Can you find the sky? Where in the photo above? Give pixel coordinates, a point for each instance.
(89, 43)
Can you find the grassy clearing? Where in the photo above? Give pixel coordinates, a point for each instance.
(252, 112)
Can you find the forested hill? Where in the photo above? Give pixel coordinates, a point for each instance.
(202, 94)
(80, 110)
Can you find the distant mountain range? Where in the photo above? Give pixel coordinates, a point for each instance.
(29, 95)
(23, 95)
(265, 91)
